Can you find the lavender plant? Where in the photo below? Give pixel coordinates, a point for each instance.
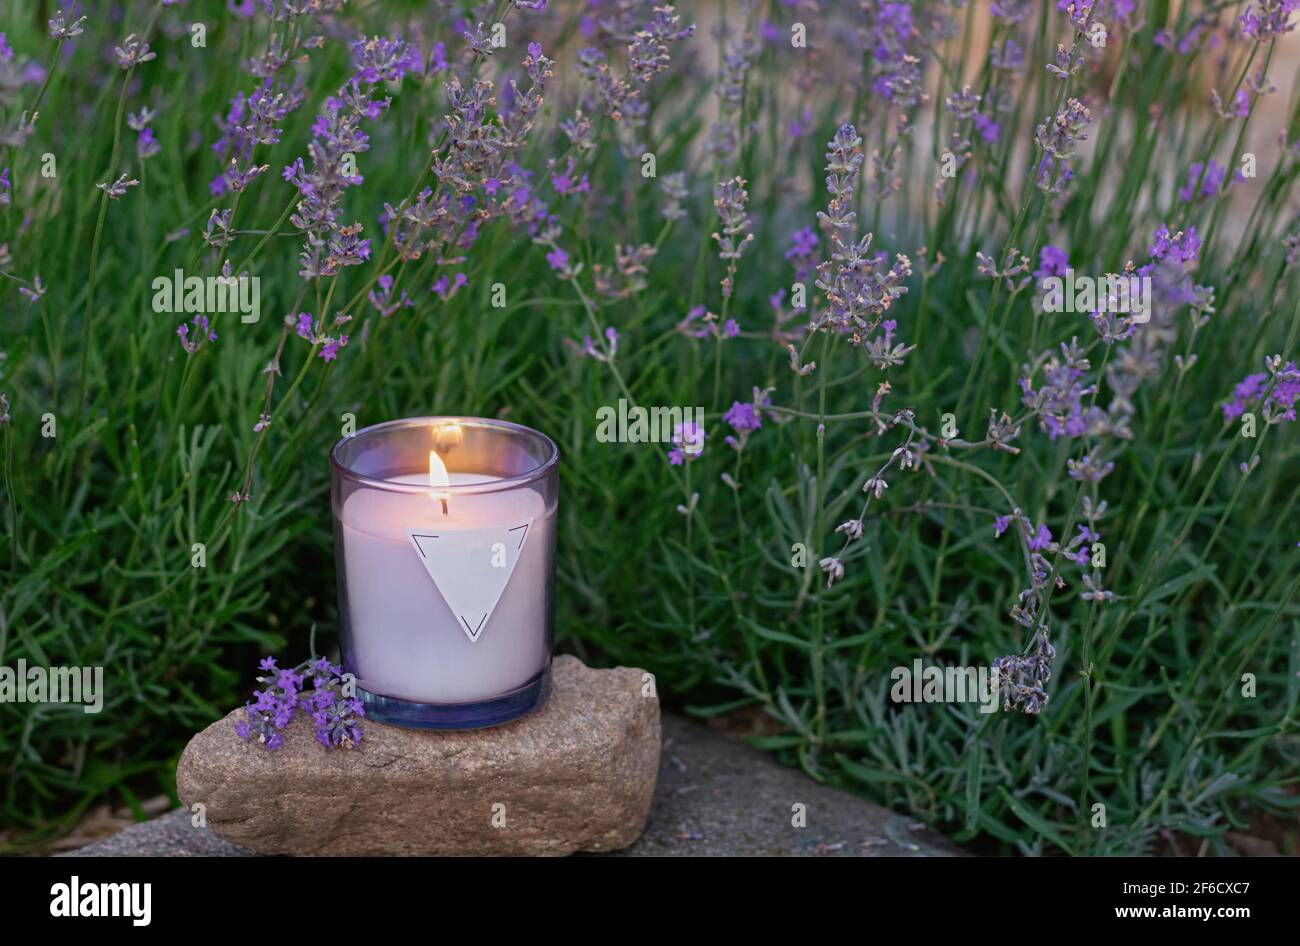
(332, 704)
(835, 226)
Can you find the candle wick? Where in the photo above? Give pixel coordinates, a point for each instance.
(444, 505)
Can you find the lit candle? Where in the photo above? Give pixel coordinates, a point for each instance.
(446, 574)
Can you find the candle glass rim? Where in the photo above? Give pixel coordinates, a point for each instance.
(550, 461)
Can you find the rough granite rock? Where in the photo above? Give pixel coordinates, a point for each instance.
(577, 775)
(715, 797)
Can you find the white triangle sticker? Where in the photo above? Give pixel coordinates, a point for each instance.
(471, 568)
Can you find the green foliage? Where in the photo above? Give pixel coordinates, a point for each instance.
(1146, 714)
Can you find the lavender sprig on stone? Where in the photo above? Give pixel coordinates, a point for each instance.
(335, 711)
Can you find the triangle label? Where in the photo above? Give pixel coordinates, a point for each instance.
(471, 568)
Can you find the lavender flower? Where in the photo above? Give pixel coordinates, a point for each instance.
(330, 347)
(1272, 18)
(558, 260)
(857, 287)
(337, 721)
(1022, 679)
(61, 30)
(380, 59)
(1181, 247)
(116, 189)
(894, 43)
(132, 52)
(446, 286)
(1052, 261)
(742, 417)
(674, 188)
(724, 137)
(802, 253)
(628, 274)
(1274, 393)
(688, 442)
(147, 145)
(1058, 399)
(329, 246)
(729, 200)
(647, 55)
(203, 332)
(481, 181)
(589, 349)
(1056, 136)
(34, 292)
(335, 712)
(1202, 180)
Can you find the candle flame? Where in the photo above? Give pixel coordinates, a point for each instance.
(437, 471)
(438, 477)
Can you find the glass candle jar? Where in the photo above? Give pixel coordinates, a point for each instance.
(444, 542)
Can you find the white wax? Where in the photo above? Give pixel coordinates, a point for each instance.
(405, 641)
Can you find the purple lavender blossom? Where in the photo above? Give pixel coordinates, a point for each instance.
(34, 292)
(1056, 136)
(1272, 18)
(989, 130)
(447, 287)
(730, 198)
(801, 254)
(647, 55)
(133, 52)
(1181, 247)
(1279, 405)
(688, 440)
(336, 716)
(1210, 180)
(800, 127)
(147, 145)
(1058, 400)
(558, 260)
(61, 29)
(893, 40)
(742, 417)
(116, 189)
(203, 332)
(858, 291)
(588, 347)
(566, 182)
(330, 348)
(1039, 539)
(337, 136)
(382, 298)
(379, 59)
(1052, 261)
